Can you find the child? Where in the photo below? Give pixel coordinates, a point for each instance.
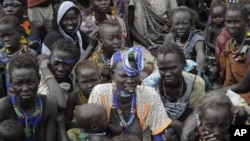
(111, 41)
(11, 130)
(87, 74)
(217, 13)
(92, 119)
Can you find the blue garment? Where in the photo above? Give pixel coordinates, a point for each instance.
(5, 83)
(174, 109)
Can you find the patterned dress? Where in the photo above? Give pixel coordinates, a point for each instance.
(149, 108)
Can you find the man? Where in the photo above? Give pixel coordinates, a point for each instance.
(35, 112)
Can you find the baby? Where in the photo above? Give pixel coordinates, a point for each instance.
(11, 130)
(93, 121)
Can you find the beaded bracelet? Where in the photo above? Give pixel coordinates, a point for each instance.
(49, 76)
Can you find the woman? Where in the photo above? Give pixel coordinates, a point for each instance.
(235, 58)
(214, 116)
(67, 22)
(183, 20)
(132, 107)
(179, 91)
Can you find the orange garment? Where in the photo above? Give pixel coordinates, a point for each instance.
(232, 70)
(32, 3)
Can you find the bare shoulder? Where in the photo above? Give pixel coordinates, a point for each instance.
(31, 52)
(5, 107)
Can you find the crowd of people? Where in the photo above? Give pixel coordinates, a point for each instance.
(123, 70)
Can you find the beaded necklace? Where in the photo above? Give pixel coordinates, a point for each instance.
(82, 97)
(168, 97)
(103, 57)
(123, 122)
(184, 45)
(29, 122)
(240, 54)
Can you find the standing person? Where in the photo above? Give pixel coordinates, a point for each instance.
(179, 91)
(40, 12)
(218, 11)
(35, 112)
(214, 28)
(148, 22)
(137, 107)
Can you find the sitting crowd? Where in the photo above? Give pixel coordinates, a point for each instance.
(123, 70)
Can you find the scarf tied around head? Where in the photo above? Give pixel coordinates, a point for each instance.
(125, 56)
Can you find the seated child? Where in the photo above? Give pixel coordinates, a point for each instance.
(92, 119)
(11, 130)
(87, 76)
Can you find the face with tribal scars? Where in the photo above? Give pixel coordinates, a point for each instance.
(87, 78)
(61, 64)
(70, 21)
(101, 6)
(13, 7)
(10, 37)
(216, 121)
(170, 68)
(25, 83)
(181, 23)
(124, 82)
(111, 39)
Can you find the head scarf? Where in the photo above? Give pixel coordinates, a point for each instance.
(134, 53)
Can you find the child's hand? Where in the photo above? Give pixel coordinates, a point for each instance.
(105, 68)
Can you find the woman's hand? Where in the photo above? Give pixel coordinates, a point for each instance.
(207, 136)
(44, 64)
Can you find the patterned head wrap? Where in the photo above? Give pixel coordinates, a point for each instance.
(133, 53)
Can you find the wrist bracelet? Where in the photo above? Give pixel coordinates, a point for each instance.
(150, 47)
(49, 76)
